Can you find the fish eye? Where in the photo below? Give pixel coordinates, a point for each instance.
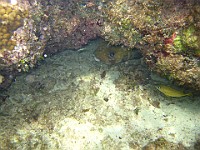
(158, 87)
(111, 54)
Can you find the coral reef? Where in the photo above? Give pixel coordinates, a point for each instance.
(70, 25)
(11, 18)
(188, 41)
(31, 29)
(120, 25)
(173, 53)
(167, 32)
(20, 46)
(72, 36)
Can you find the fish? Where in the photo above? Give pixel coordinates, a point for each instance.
(112, 54)
(172, 92)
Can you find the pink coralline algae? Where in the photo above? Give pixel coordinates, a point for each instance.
(73, 35)
(86, 30)
(170, 40)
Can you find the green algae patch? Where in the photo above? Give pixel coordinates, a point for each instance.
(188, 41)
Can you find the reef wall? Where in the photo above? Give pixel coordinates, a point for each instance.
(167, 32)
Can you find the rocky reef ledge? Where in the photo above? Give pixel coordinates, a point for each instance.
(166, 32)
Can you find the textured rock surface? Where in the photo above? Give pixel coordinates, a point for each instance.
(73, 102)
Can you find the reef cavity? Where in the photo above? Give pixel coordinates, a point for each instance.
(110, 54)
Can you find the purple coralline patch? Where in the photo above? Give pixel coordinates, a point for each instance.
(79, 34)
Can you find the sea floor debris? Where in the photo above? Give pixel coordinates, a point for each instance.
(70, 101)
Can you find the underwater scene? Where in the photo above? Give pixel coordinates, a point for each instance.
(99, 75)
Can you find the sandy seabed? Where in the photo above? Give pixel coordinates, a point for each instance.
(72, 102)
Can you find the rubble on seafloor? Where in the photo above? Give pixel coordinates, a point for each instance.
(71, 101)
(103, 96)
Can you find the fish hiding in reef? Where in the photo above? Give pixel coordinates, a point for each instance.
(171, 92)
(113, 54)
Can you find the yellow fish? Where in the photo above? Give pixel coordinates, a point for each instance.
(171, 92)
